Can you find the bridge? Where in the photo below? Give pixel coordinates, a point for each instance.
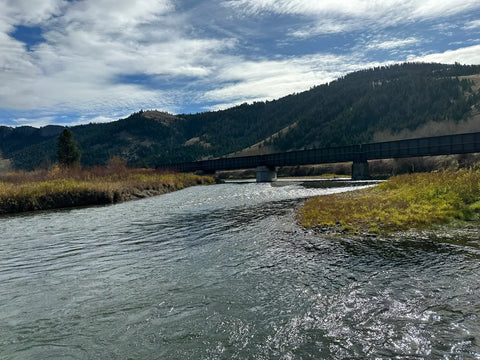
(358, 154)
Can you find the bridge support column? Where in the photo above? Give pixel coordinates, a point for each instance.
(266, 174)
(360, 170)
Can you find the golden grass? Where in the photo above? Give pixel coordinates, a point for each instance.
(57, 188)
(416, 201)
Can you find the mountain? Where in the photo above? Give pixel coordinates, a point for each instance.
(356, 108)
(384, 103)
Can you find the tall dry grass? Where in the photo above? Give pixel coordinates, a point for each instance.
(60, 187)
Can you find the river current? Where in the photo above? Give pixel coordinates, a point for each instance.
(224, 272)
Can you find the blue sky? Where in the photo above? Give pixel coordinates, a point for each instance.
(80, 61)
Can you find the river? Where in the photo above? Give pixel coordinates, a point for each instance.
(224, 272)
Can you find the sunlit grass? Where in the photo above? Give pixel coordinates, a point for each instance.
(404, 202)
(27, 191)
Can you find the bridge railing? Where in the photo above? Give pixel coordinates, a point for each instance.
(439, 145)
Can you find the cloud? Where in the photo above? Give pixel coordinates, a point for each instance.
(306, 7)
(29, 12)
(429, 9)
(392, 43)
(88, 45)
(35, 122)
(271, 79)
(475, 24)
(332, 16)
(419, 9)
(468, 56)
(40, 121)
(111, 16)
(126, 37)
(102, 59)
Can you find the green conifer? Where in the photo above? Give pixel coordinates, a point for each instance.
(68, 153)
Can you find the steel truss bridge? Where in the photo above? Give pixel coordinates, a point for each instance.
(358, 154)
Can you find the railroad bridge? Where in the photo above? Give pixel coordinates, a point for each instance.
(357, 154)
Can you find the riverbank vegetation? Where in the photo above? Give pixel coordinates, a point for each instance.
(71, 187)
(412, 201)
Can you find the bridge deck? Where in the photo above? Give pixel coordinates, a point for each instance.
(428, 146)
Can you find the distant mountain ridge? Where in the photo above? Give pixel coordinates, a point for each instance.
(384, 103)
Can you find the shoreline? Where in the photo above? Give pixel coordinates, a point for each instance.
(73, 190)
(442, 205)
(468, 234)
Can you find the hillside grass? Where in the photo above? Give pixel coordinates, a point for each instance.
(414, 201)
(61, 188)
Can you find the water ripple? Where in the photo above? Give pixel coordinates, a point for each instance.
(223, 272)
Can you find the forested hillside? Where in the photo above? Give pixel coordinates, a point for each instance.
(389, 102)
(353, 109)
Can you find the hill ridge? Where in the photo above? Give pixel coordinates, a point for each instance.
(391, 101)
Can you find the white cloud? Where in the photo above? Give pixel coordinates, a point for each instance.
(89, 46)
(468, 56)
(29, 12)
(308, 7)
(62, 78)
(475, 24)
(35, 122)
(428, 9)
(333, 16)
(266, 80)
(392, 43)
(101, 119)
(358, 8)
(326, 26)
(41, 121)
(115, 15)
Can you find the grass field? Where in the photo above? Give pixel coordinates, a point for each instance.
(414, 201)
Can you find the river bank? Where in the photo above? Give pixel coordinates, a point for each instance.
(64, 188)
(426, 205)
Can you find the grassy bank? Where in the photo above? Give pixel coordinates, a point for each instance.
(416, 201)
(61, 188)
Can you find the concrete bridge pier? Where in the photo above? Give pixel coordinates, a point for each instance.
(360, 170)
(266, 174)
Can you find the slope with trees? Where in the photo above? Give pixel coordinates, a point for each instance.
(352, 109)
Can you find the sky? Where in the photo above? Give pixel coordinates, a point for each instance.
(72, 62)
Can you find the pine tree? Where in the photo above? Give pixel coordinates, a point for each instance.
(68, 152)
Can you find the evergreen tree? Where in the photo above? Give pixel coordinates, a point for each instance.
(68, 153)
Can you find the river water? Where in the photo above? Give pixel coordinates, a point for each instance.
(223, 272)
